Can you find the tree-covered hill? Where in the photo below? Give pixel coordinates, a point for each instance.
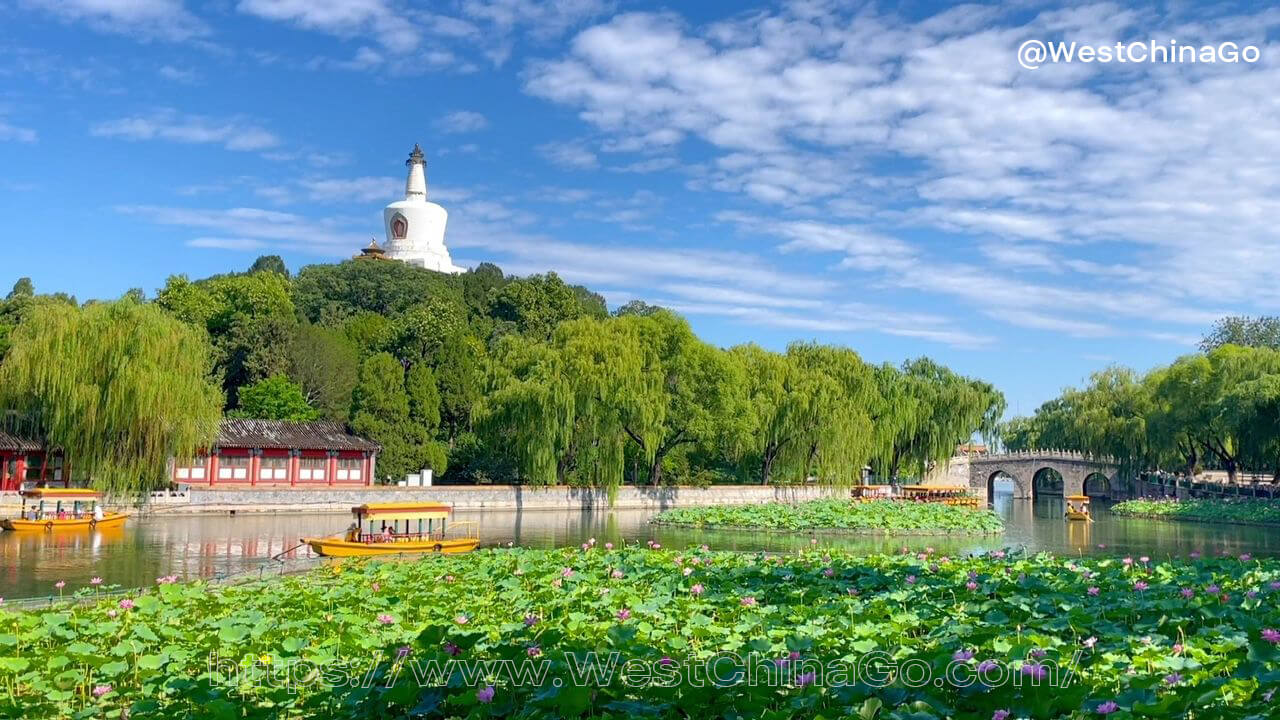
(485, 377)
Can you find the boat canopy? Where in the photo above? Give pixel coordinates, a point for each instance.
(1078, 498)
(62, 494)
(402, 511)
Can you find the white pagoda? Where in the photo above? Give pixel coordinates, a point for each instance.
(415, 227)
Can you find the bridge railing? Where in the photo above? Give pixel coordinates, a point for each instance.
(1043, 454)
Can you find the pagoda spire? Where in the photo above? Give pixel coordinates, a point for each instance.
(415, 186)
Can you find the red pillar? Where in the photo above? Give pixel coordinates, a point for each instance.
(366, 469)
(372, 462)
(255, 465)
(213, 468)
(294, 469)
(4, 472)
(20, 469)
(331, 469)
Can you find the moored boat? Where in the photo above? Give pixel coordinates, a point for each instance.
(73, 509)
(399, 528)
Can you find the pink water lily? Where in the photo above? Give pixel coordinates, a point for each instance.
(485, 694)
(1271, 635)
(96, 581)
(697, 589)
(100, 690)
(462, 619)
(748, 601)
(1108, 707)
(971, 585)
(1093, 591)
(386, 619)
(624, 614)
(1000, 715)
(126, 604)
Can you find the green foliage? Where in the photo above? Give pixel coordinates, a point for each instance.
(1256, 332)
(880, 516)
(325, 364)
(270, 263)
(824, 609)
(129, 389)
(330, 294)
(276, 398)
(398, 417)
(1252, 512)
(1220, 409)
(421, 331)
(537, 304)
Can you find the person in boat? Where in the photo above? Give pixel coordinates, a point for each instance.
(97, 513)
(353, 533)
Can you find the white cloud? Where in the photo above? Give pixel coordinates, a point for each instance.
(164, 19)
(231, 133)
(15, 133)
(237, 228)
(462, 121)
(226, 243)
(971, 179)
(179, 75)
(569, 155)
(344, 18)
(360, 189)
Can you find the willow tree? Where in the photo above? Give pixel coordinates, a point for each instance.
(698, 390)
(924, 410)
(837, 437)
(565, 407)
(121, 387)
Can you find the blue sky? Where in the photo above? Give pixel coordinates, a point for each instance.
(883, 177)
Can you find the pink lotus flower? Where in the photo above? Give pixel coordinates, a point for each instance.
(530, 620)
(828, 572)
(1275, 585)
(60, 584)
(1172, 679)
(1093, 591)
(962, 655)
(1213, 589)
(167, 580)
(461, 619)
(624, 614)
(1144, 559)
(1188, 593)
(616, 575)
(971, 585)
(665, 661)
(1000, 715)
(376, 587)
(403, 652)
(1035, 670)
(911, 579)
(449, 578)
(100, 690)
(1140, 586)
(96, 581)
(608, 546)
(485, 694)
(748, 601)
(1089, 642)
(1272, 636)
(386, 619)
(533, 651)
(1246, 557)
(1108, 707)
(806, 679)
(1128, 562)
(585, 546)
(697, 589)
(126, 604)
(567, 573)
(853, 592)
(687, 572)
(452, 649)
(517, 572)
(557, 583)
(657, 546)
(112, 613)
(1195, 554)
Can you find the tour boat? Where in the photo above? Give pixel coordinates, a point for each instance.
(1078, 507)
(81, 515)
(958, 495)
(377, 531)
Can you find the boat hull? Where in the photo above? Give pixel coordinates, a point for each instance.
(337, 547)
(109, 520)
(1079, 516)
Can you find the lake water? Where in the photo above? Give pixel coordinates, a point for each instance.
(216, 546)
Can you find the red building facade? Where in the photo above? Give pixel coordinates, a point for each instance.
(25, 460)
(275, 453)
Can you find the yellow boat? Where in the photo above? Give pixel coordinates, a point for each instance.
(1078, 508)
(377, 531)
(82, 514)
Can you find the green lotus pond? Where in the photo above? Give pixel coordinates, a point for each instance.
(881, 516)
(1255, 512)
(820, 633)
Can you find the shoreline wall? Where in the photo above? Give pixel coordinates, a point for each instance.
(482, 497)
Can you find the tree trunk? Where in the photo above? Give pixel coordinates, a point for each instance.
(766, 468)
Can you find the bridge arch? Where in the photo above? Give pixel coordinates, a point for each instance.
(1047, 482)
(1097, 484)
(1020, 488)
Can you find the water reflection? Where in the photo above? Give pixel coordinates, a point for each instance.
(203, 546)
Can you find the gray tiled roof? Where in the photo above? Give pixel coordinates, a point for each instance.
(284, 435)
(18, 443)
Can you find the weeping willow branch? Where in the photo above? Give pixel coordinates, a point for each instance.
(120, 387)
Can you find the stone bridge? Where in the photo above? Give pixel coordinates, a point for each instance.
(1081, 474)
